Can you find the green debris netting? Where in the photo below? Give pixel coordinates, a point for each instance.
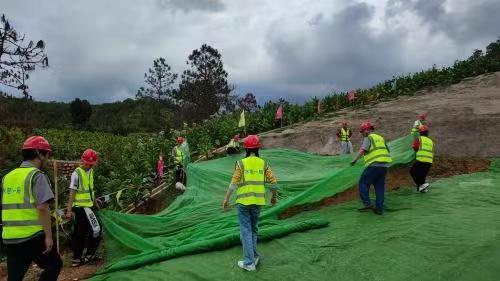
(195, 223)
(450, 233)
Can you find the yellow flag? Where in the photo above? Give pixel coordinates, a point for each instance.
(242, 119)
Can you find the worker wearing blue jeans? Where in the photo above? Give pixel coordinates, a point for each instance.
(373, 175)
(377, 158)
(248, 181)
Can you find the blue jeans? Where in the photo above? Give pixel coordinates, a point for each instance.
(249, 219)
(373, 176)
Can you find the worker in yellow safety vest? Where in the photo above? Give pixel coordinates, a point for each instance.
(26, 219)
(424, 156)
(82, 205)
(248, 180)
(179, 157)
(422, 120)
(233, 147)
(377, 157)
(344, 135)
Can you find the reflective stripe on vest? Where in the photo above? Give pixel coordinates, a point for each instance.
(251, 190)
(179, 155)
(378, 151)
(20, 217)
(344, 134)
(85, 193)
(425, 151)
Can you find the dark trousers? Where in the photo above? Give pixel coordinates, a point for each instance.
(419, 172)
(180, 174)
(373, 176)
(83, 241)
(20, 256)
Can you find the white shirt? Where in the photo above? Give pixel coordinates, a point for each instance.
(73, 183)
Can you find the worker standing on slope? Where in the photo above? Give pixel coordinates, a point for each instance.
(82, 204)
(27, 232)
(424, 156)
(344, 135)
(179, 157)
(422, 120)
(377, 156)
(248, 180)
(233, 147)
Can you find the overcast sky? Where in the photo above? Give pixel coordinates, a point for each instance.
(100, 49)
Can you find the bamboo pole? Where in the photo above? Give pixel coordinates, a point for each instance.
(57, 204)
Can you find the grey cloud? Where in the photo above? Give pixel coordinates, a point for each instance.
(479, 20)
(192, 5)
(341, 51)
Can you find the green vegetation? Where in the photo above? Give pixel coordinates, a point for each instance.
(130, 134)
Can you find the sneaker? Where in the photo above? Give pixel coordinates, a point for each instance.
(377, 211)
(76, 263)
(250, 267)
(257, 259)
(366, 208)
(423, 187)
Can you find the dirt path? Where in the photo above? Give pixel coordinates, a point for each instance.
(465, 121)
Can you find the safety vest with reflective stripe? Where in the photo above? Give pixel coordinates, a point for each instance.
(20, 217)
(84, 196)
(378, 151)
(179, 155)
(344, 134)
(425, 151)
(251, 190)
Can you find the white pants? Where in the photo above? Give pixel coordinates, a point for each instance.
(346, 147)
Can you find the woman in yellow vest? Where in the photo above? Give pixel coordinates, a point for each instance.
(424, 156)
(377, 157)
(248, 180)
(27, 232)
(81, 207)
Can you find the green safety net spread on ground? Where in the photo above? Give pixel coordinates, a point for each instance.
(450, 233)
(195, 223)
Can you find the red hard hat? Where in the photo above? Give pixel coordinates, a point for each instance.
(422, 116)
(37, 143)
(252, 141)
(423, 128)
(180, 139)
(90, 157)
(365, 125)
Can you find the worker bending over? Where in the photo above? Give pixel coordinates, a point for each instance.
(233, 147)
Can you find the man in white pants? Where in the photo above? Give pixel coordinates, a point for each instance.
(344, 135)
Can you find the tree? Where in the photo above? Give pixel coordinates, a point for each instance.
(18, 58)
(158, 80)
(248, 103)
(80, 112)
(204, 89)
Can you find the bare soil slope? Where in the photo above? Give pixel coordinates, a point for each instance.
(465, 121)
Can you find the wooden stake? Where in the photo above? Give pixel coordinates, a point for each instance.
(57, 204)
